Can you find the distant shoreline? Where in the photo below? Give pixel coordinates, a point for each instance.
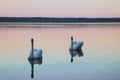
(57, 20)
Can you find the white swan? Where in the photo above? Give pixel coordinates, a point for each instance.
(34, 53)
(75, 45)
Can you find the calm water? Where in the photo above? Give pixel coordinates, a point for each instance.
(100, 61)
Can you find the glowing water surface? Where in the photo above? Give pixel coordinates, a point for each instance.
(100, 60)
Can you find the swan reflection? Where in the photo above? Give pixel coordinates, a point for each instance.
(74, 53)
(33, 62)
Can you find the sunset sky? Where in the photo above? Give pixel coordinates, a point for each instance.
(60, 8)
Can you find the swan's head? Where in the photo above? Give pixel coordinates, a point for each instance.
(32, 39)
(71, 38)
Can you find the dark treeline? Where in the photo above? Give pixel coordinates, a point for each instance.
(47, 19)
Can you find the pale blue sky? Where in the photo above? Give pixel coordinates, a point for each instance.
(60, 8)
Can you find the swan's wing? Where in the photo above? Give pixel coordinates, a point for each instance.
(73, 45)
(78, 45)
(37, 53)
(30, 54)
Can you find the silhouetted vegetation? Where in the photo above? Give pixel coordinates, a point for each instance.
(47, 19)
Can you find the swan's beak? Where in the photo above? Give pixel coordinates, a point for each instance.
(32, 39)
(71, 38)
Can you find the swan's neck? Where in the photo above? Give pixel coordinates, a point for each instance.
(32, 48)
(72, 44)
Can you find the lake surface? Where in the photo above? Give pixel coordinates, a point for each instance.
(100, 60)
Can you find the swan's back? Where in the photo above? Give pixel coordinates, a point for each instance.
(37, 53)
(76, 45)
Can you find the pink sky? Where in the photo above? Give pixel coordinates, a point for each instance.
(60, 8)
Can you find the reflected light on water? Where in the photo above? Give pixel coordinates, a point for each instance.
(101, 52)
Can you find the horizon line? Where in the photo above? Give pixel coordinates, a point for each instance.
(50, 17)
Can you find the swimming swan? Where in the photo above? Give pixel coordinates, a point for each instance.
(75, 45)
(34, 53)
